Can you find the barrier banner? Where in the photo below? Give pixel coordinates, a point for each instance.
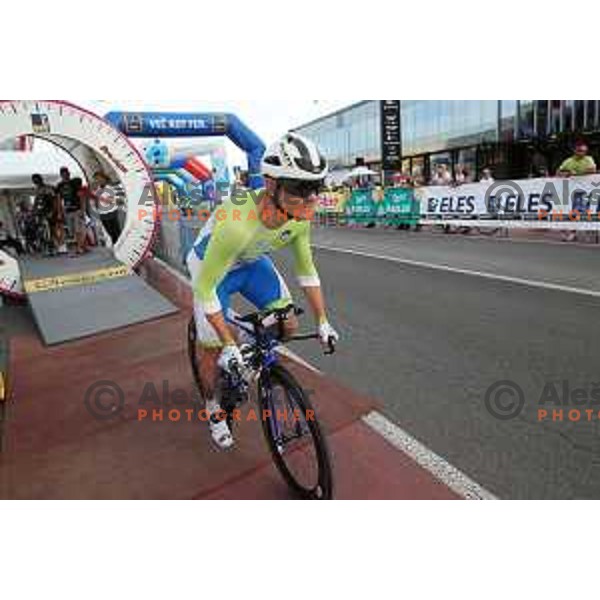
(361, 209)
(330, 202)
(537, 198)
(400, 207)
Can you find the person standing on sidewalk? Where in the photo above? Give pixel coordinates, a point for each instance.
(577, 165)
(68, 192)
(486, 176)
(107, 207)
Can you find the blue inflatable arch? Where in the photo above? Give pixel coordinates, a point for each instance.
(174, 125)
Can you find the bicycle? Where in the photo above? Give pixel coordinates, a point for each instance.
(289, 422)
(42, 242)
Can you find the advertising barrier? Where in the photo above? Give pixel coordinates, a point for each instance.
(361, 209)
(400, 207)
(540, 202)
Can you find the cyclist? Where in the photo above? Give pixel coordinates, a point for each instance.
(231, 256)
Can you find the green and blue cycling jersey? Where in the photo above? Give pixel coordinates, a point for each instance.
(235, 240)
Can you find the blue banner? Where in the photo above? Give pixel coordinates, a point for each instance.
(173, 125)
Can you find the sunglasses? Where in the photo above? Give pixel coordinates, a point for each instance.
(301, 189)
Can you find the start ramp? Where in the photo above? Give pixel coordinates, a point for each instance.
(74, 298)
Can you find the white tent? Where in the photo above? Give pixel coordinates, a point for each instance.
(362, 171)
(16, 168)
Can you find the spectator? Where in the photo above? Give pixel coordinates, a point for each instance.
(107, 207)
(442, 175)
(47, 213)
(418, 181)
(7, 241)
(74, 210)
(578, 164)
(486, 176)
(462, 176)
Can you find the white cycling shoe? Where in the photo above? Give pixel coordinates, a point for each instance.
(220, 433)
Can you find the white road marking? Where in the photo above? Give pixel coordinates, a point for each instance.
(293, 356)
(443, 471)
(450, 476)
(557, 287)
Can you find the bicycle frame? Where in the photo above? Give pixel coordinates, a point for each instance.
(260, 354)
(262, 358)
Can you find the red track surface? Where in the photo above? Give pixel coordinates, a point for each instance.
(57, 450)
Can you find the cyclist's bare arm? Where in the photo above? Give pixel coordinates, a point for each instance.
(308, 277)
(314, 296)
(217, 320)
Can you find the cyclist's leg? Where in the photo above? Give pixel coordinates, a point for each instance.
(266, 289)
(212, 347)
(207, 337)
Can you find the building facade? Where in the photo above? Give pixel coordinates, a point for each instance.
(515, 138)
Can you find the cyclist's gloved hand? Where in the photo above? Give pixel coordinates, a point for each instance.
(230, 357)
(232, 360)
(327, 333)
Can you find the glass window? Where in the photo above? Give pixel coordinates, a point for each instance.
(429, 125)
(489, 120)
(467, 163)
(526, 121)
(508, 120)
(578, 115)
(542, 112)
(418, 167)
(555, 116)
(441, 158)
(590, 114)
(569, 116)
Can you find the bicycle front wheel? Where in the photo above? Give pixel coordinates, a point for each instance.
(294, 435)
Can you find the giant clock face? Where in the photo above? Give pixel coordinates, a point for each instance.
(94, 143)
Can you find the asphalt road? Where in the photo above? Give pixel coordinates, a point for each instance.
(430, 343)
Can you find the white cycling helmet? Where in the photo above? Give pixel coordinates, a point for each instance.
(295, 157)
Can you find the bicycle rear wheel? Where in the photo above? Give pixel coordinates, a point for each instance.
(192, 337)
(294, 435)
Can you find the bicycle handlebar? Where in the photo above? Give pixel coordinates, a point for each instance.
(314, 336)
(281, 314)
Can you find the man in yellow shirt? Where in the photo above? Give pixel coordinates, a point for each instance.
(578, 164)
